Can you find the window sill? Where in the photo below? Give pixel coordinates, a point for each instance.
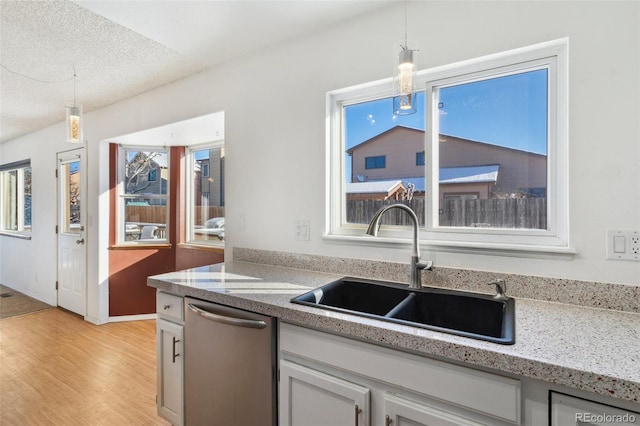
(141, 246)
(202, 247)
(19, 235)
(490, 249)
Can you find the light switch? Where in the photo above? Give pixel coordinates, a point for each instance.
(619, 244)
(623, 244)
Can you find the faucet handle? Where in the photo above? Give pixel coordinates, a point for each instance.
(501, 288)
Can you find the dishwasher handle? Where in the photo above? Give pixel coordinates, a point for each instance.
(238, 322)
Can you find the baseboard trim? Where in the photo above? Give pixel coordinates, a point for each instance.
(133, 318)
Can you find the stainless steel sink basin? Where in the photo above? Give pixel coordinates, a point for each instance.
(474, 315)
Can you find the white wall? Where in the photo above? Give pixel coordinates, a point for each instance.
(274, 104)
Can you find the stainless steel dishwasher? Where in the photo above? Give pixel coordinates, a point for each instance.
(230, 366)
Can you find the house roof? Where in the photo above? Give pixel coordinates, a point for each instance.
(393, 129)
(468, 174)
(373, 187)
(442, 135)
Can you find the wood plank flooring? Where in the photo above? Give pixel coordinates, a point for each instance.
(56, 369)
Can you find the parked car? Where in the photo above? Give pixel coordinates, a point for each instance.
(214, 227)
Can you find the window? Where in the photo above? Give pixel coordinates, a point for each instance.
(490, 146)
(375, 162)
(143, 195)
(206, 195)
(15, 194)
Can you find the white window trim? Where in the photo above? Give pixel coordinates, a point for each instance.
(553, 242)
(121, 240)
(22, 231)
(190, 192)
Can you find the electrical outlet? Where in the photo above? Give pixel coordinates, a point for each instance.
(623, 244)
(635, 244)
(302, 230)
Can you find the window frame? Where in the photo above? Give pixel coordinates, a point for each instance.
(122, 196)
(190, 201)
(553, 241)
(22, 230)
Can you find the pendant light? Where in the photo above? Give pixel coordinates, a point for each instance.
(404, 95)
(74, 117)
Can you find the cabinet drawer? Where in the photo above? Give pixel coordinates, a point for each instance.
(170, 307)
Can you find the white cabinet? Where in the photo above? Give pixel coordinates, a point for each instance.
(321, 376)
(404, 412)
(312, 398)
(170, 365)
(567, 410)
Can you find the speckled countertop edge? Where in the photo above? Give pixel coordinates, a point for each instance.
(590, 349)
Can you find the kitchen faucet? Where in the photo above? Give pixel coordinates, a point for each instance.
(417, 264)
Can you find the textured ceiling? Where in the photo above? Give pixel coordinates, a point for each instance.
(120, 49)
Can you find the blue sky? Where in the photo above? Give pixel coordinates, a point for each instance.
(508, 111)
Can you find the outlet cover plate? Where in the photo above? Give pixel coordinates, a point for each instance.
(623, 244)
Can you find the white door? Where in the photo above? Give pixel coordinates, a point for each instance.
(312, 398)
(403, 412)
(569, 411)
(170, 372)
(72, 252)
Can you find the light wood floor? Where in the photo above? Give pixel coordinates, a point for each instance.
(56, 369)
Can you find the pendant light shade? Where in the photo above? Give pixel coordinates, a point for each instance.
(74, 123)
(404, 73)
(404, 95)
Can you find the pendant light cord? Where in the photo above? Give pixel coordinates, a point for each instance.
(74, 86)
(405, 25)
(39, 80)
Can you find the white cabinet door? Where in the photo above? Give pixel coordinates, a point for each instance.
(311, 398)
(567, 410)
(403, 412)
(169, 341)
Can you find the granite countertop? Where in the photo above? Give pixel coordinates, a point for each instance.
(591, 349)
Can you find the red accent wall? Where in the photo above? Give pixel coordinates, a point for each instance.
(130, 266)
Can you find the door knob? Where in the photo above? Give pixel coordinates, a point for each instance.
(80, 241)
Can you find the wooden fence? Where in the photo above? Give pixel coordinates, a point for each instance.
(520, 213)
(158, 214)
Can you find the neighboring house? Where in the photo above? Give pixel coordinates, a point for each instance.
(210, 178)
(146, 175)
(467, 168)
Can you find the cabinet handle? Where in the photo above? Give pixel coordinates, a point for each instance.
(387, 420)
(166, 307)
(175, 355)
(357, 412)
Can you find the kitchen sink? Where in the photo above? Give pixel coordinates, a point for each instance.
(355, 295)
(479, 316)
